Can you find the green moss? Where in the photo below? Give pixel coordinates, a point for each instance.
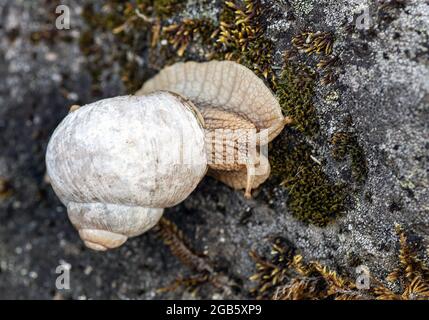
(312, 196)
(295, 91)
(314, 42)
(241, 38)
(166, 8)
(346, 144)
(181, 35)
(162, 8)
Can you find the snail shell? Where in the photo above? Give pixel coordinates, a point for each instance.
(229, 96)
(118, 162)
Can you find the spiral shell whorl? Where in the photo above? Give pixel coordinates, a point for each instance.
(105, 226)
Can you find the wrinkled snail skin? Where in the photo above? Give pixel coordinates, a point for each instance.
(229, 96)
(117, 163)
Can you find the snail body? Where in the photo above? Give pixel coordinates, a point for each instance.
(117, 163)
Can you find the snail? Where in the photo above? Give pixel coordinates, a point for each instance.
(229, 97)
(117, 163)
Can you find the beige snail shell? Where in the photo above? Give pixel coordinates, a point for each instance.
(229, 96)
(117, 163)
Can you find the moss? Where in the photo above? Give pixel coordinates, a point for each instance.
(346, 144)
(314, 42)
(312, 197)
(286, 276)
(203, 269)
(241, 37)
(180, 35)
(168, 7)
(322, 44)
(295, 91)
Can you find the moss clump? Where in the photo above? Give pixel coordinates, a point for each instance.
(328, 69)
(241, 37)
(163, 8)
(295, 91)
(312, 196)
(286, 276)
(202, 268)
(322, 44)
(346, 144)
(278, 266)
(180, 35)
(314, 42)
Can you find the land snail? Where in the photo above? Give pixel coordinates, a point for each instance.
(117, 163)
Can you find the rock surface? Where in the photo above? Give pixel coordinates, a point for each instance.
(383, 87)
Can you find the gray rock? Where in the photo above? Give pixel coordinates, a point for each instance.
(383, 86)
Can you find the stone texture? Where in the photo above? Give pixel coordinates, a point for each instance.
(383, 87)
